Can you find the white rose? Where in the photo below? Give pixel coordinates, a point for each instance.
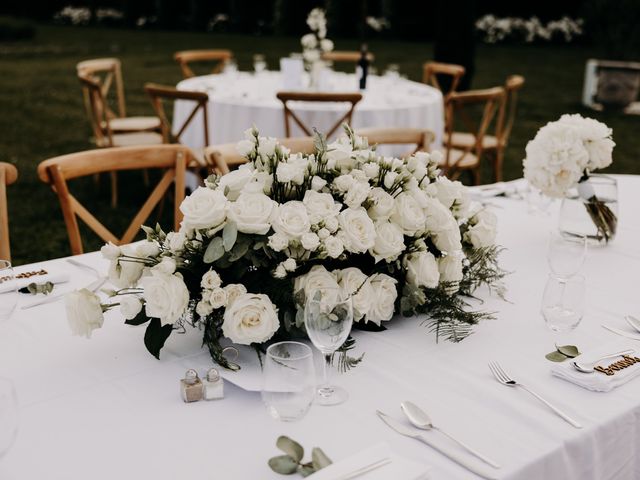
(596, 138)
(289, 265)
(352, 280)
(166, 296)
(326, 45)
(291, 219)
(357, 194)
(390, 178)
(357, 230)
(339, 156)
(317, 183)
(130, 306)
(389, 242)
(234, 181)
(384, 294)
(446, 191)
(267, 146)
(84, 312)
(234, 290)
(485, 216)
(381, 204)
(334, 247)
(278, 242)
(318, 278)
(371, 169)
(310, 241)
(408, 215)
(280, 271)
(167, 265)
(450, 267)
(323, 234)
(110, 251)
(343, 183)
(245, 147)
(331, 223)
(218, 297)
(309, 41)
(124, 273)
(288, 172)
(252, 318)
(143, 249)
(204, 308)
(252, 212)
(204, 208)
(422, 269)
(482, 234)
(176, 240)
(320, 205)
(210, 280)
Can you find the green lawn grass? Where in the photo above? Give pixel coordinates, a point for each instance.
(42, 113)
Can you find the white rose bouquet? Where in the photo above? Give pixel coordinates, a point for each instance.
(255, 243)
(316, 43)
(561, 157)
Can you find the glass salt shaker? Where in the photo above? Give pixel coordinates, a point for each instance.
(213, 385)
(191, 387)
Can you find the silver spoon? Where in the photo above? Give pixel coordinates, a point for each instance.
(633, 321)
(589, 367)
(421, 420)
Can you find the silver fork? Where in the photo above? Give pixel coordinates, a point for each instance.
(505, 379)
(85, 266)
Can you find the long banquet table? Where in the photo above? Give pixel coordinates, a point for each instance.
(104, 408)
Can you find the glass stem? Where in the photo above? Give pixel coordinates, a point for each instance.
(326, 389)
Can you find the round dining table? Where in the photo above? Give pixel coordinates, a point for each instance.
(238, 100)
(105, 409)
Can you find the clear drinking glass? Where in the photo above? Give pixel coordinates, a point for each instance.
(563, 302)
(8, 290)
(566, 255)
(328, 316)
(288, 380)
(259, 63)
(230, 66)
(8, 415)
(392, 71)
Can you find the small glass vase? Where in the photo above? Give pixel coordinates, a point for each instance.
(591, 210)
(315, 74)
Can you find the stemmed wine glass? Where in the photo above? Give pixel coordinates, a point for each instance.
(328, 317)
(259, 63)
(8, 415)
(566, 255)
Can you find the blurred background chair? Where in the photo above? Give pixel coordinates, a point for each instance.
(218, 57)
(56, 172)
(474, 111)
(421, 138)
(8, 175)
(286, 97)
(108, 72)
(346, 56)
(443, 76)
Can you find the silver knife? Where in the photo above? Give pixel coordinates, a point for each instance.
(622, 333)
(454, 456)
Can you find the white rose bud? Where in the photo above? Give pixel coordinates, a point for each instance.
(343, 183)
(278, 242)
(331, 224)
(245, 147)
(280, 271)
(130, 306)
(310, 241)
(203, 308)
(318, 183)
(334, 247)
(218, 298)
(323, 233)
(289, 265)
(389, 179)
(110, 251)
(210, 280)
(234, 290)
(167, 265)
(267, 146)
(371, 170)
(422, 269)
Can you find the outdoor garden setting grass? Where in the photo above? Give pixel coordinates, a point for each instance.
(43, 116)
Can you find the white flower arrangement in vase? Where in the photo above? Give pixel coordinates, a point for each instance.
(315, 44)
(562, 157)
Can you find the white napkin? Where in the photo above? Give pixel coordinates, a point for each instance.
(598, 381)
(292, 70)
(398, 468)
(53, 277)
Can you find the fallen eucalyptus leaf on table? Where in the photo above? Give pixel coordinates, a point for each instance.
(291, 462)
(35, 288)
(563, 352)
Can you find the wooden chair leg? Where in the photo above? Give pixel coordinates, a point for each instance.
(145, 178)
(114, 189)
(475, 173)
(498, 161)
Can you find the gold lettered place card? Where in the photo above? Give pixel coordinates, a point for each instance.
(618, 366)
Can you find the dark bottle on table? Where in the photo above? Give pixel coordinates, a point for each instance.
(363, 67)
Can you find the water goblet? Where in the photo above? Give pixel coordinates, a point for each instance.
(259, 63)
(563, 303)
(8, 415)
(566, 255)
(328, 317)
(8, 290)
(288, 385)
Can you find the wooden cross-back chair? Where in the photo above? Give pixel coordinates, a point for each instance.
(432, 70)
(159, 93)
(286, 97)
(184, 58)
(225, 157)
(57, 171)
(485, 104)
(345, 56)
(107, 72)
(421, 138)
(8, 175)
(495, 145)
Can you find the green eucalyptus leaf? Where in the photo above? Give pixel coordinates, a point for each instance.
(155, 335)
(283, 464)
(290, 447)
(319, 459)
(306, 469)
(214, 251)
(555, 356)
(229, 235)
(570, 351)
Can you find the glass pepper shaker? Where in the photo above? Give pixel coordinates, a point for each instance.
(191, 387)
(213, 385)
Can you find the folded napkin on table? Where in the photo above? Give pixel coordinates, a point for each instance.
(599, 381)
(398, 468)
(38, 277)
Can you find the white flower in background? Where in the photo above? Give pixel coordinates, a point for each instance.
(210, 280)
(267, 146)
(291, 219)
(311, 56)
(130, 306)
(422, 269)
(234, 181)
(450, 267)
(234, 290)
(166, 296)
(218, 297)
(357, 194)
(204, 308)
(204, 208)
(446, 191)
(251, 318)
(252, 212)
(408, 214)
(357, 230)
(485, 216)
(381, 204)
(280, 271)
(290, 265)
(326, 45)
(383, 299)
(84, 312)
(309, 41)
(334, 247)
(167, 265)
(245, 147)
(290, 173)
(356, 284)
(110, 251)
(389, 242)
(318, 278)
(310, 241)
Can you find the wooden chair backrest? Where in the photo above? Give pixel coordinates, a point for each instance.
(346, 56)
(8, 175)
(197, 56)
(57, 171)
(486, 103)
(285, 97)
(431, 70)
(222, 157)
(97, 110)
(399, 136)
(112, 71)
(159, 93)
(507, 114)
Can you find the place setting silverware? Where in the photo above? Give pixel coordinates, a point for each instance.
(589, 367)
(503, 378)
(633, 323)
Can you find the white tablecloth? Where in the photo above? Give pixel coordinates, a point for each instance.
(238, 100)
(104, 408)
